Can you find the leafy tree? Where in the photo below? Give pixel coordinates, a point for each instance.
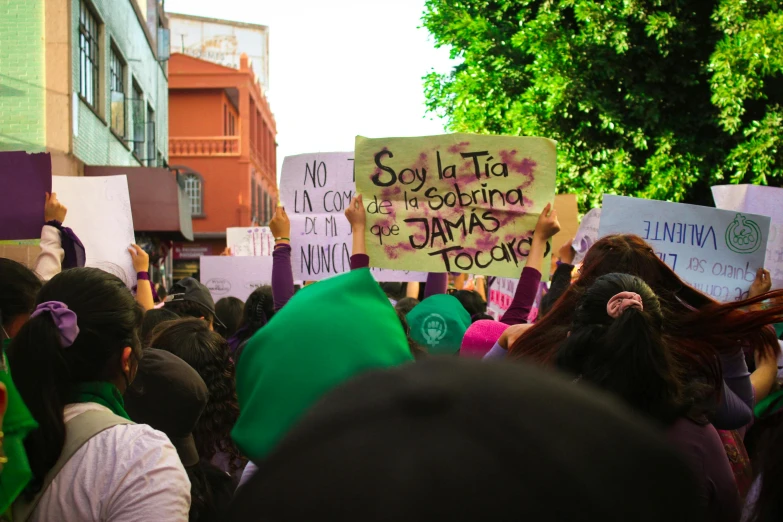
(651, 98)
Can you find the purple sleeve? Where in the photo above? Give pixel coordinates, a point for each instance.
(735, 408)
(359, 261)
(497, 352)
(282, 276)
(437, 283)
(523, 298)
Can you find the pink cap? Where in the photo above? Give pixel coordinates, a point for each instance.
(480, 338)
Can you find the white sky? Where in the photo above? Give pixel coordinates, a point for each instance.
(339, 68)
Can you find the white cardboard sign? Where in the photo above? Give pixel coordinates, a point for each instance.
(767, 201)
(316, 189)
(99, 212)
(235, 276)
(250, 241)
(715, 251)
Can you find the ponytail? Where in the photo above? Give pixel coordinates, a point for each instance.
(41, 375)
(47, 364)
(626, 354)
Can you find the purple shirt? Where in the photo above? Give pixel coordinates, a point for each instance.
(524, 297)
(703, 451)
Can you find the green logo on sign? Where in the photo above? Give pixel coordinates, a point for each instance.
(743, 235)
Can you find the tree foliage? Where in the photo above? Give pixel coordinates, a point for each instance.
(651, 98)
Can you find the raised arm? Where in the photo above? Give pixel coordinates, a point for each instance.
(356, 215)
(282, 272)
(530, 279)
(49, 262)
(141, 264)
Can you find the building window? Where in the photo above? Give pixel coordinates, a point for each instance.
(194, 188)
(151, 147)
(137, 121)
(253, 204)
(89, 60)
(117, 86)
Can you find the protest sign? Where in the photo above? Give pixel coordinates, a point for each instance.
(501, 293)
(454, 203)
(568, 216)
(715, 251)
(767, 201)
(587, 234)
(235, 276)
(250, 241)
(25, 179)
(316, 189)
(99, 212)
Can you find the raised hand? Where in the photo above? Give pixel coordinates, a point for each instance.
(280, 226)
(141, 260)
(53, 209)
(356, 214)
(547, 225)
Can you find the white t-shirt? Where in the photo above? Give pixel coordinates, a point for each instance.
(127, 473)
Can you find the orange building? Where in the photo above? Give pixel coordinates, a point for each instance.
(222, 141)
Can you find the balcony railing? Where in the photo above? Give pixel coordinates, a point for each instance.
(209, 146)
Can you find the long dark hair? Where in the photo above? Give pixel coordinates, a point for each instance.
(45, 373)
(208, 353)
(626, 355)
(695, 326)
(259, 309)
(229, 310)
(18, 287)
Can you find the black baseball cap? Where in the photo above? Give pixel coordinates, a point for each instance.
(189, 289)
(465, 441)
(169, 395)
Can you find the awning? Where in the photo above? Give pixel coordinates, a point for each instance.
(158, 203)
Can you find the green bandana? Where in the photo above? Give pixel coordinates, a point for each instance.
(103, 393)
(17, 423)
(439, 323)
(327, 334)
(778, 329)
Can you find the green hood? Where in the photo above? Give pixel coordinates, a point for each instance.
(17, 423)
(328, 333)
(439, 323)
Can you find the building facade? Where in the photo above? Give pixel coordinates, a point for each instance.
(86, 81)
(222, 142)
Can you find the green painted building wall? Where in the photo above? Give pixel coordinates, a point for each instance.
(94, 143)
(22, 75)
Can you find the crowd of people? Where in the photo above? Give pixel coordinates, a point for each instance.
(624, 394)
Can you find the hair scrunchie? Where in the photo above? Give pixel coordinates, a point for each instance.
(64, 319)
(622, 302)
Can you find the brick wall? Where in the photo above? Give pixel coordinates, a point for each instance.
(22, 107)
(95, 144)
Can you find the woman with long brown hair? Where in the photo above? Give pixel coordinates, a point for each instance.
(706, 336)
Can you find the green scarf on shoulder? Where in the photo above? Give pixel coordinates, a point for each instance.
(103, 393)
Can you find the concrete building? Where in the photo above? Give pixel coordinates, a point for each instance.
(86, 81)
(222, 142)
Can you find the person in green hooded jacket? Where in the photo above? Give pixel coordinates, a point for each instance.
(327, 334)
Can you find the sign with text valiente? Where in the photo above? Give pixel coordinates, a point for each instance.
(715, 251)
(316, 189)
(454, 203)
(767, 201)
(235, 276)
